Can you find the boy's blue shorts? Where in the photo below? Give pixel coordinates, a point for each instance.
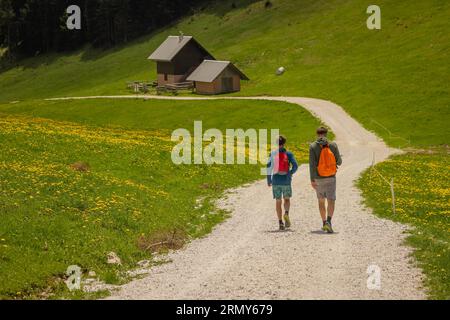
(282, 191)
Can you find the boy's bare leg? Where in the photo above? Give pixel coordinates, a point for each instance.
(279, 209)
(287, 204)
(322, 209)
(330, 208)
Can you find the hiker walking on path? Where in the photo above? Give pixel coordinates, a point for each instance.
(281, 167)
(324, 159)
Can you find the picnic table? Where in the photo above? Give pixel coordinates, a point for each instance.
(141, 86)
(174, 88)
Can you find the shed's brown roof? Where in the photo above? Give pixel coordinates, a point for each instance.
(209, 70)
(172, 45)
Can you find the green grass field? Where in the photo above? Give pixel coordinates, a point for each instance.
(422, 187)
(394, 81)
(54, 216)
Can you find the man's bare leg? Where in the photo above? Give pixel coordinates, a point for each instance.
(322, 209)
(330, 208)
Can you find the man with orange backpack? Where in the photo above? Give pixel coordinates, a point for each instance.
(324, 159)
(280, 168)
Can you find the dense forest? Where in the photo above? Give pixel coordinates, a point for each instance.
(31, 27)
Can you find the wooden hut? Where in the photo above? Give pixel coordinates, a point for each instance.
(215, 77)
(177, 57)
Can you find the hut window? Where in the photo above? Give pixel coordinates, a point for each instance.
(165, 77)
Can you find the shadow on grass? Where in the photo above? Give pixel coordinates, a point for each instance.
(30, 62)
(222, 8)
(89, 53)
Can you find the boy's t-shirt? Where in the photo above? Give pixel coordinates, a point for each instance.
(281, 179)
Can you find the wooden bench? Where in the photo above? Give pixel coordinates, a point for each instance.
(160, 89)
(175, 87)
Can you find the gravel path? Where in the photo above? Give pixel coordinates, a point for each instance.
(247, 258)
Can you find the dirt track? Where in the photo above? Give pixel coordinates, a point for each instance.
(246, 258)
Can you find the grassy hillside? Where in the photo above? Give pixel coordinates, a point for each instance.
(54, 214)
(394, 81)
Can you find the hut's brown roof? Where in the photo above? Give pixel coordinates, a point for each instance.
(209, 70)
(172, 45)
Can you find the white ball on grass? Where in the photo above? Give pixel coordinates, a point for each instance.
(280, 71)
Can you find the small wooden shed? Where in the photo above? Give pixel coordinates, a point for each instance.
(214, 77)
(177, 57)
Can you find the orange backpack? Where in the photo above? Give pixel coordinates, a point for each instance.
(327, 162)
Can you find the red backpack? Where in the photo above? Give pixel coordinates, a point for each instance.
(281, 165)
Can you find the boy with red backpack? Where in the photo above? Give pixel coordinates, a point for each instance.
(324, 159)
(281, 166)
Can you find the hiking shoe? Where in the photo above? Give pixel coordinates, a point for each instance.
(287, 221)
(327, 227)
(330, 228)
(282, 228)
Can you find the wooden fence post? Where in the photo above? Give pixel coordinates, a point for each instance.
(393, 195)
